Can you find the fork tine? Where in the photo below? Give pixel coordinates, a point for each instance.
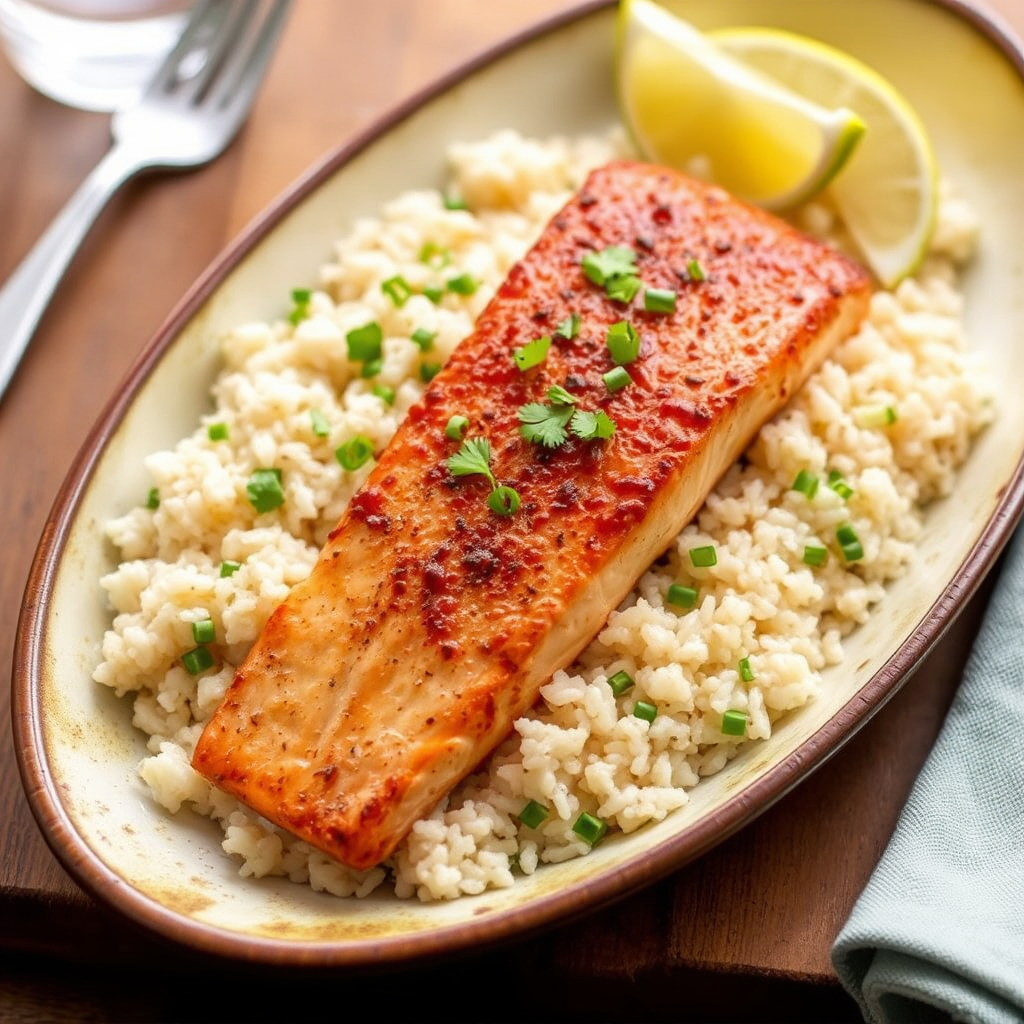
(173, 125)
(229, 39)
(206, 19)
(243, 68)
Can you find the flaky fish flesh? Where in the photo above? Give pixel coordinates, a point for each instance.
(430, 621)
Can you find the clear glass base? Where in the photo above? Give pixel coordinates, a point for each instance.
(95, 56)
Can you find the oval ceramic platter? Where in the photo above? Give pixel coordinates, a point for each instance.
(78, 749)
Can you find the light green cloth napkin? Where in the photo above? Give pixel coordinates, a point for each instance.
(938, 932)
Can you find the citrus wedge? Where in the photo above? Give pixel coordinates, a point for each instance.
(690, 104)
(887, 191)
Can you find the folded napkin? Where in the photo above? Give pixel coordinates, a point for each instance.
(938, 932)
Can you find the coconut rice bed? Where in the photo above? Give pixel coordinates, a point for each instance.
(764, 623)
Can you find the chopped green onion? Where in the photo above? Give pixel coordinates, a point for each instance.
(372, 368)
(217, 431)
(590, 828)
(455, 203)
(456, 428)
(463, 284)
(849, 542)
(695, 270)
(660, 300)
(814, 554)
(300, 302)
(364, 343)
(846, 534)
(319, 421)
(397, 289)
(806, 483)
(746, 672)
(645, 711)
(704, 557)
(434, 293)
(385, 393)
(871, 416)
(434, 255)
(355, 453)
(620, 682)
(153, 498)
(199, 659)
(569, 328)
(608, 264)
(558, 395)
(682, 597)
(428, 371)
(533, 814)
(623, 342)
(533, 353)
(839, 485)
(203, 631)
(734, 723)
(853, 552)
(264, 489)
(623, 288)
(229, 568)
(423, 338)
(504, 501)
(616, 379)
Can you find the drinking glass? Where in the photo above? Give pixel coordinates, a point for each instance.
(89, 54)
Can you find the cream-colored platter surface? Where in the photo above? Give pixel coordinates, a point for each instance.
(77, 746)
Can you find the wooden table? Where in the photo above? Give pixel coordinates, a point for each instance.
(742, 934)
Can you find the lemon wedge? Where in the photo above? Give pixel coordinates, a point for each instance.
(690, 104)
(887, 192)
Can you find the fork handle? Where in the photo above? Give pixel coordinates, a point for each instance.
(28, 290)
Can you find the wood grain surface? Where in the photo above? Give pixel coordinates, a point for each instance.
(749, 925)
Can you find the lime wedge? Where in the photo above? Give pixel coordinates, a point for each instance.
(888, 190)
(690, 104)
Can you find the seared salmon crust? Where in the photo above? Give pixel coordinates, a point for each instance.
(429, 622)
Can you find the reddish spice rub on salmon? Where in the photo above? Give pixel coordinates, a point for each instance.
(429, 623)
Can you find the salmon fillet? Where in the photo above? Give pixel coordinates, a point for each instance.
(429, 622)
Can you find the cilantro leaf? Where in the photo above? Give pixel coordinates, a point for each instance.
(558, 394)
(532, 354)
(590, 426)
(623, 287)
(534, 412)
(569, 327)
(544, 424)
(614, 261)
(474, 457)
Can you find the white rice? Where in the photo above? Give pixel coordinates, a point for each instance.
(581, 748)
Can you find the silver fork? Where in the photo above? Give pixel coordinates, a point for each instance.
(189, 113)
